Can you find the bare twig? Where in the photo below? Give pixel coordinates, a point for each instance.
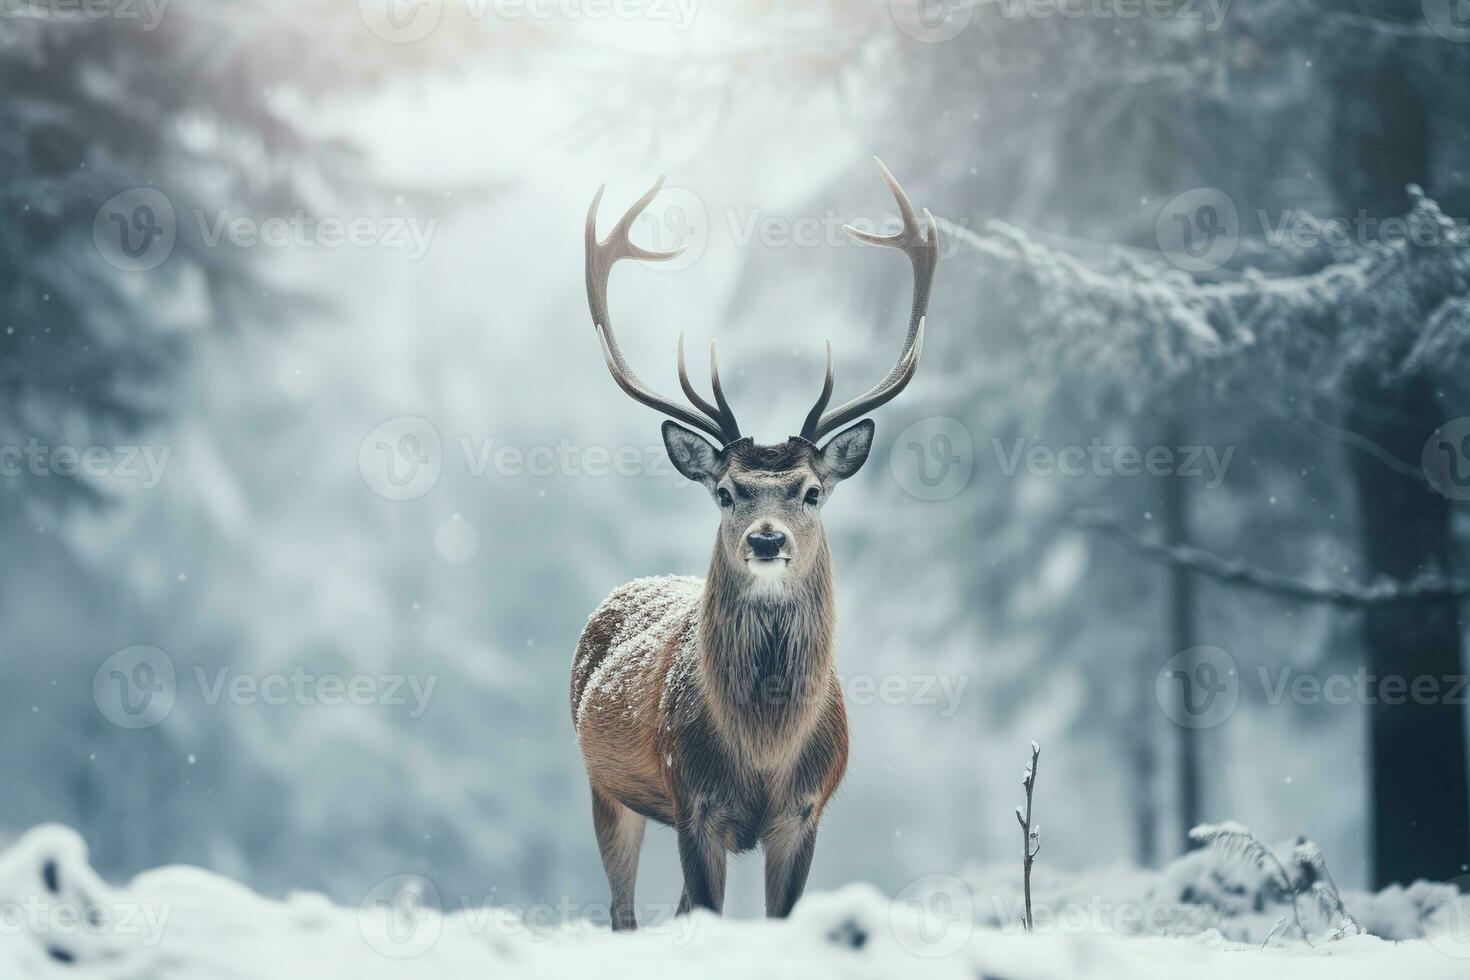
(1280, 924)
(1030, 833)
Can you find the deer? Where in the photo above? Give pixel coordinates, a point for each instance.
(713, 705)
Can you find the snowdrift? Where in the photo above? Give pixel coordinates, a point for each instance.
(59, 919)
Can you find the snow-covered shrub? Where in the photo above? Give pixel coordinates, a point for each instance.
(1302, 877)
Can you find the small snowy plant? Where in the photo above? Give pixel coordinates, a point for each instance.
(1310, 869)
(1303, 875)
(1030, 833)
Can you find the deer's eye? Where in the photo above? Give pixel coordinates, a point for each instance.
(814, 496)
(724, 497)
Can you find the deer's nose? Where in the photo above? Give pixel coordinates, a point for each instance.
(766, 544)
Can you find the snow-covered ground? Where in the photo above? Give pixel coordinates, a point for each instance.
(58, 919)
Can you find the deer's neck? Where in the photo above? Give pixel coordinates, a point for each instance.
(767, 657)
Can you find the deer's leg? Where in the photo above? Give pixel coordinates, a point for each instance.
(789, 841)
(701, 856)
(620, 839)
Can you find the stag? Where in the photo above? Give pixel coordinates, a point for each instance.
(712, 705)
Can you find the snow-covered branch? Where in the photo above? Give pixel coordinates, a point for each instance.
(1382, 591)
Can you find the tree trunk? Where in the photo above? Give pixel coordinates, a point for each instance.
(1180, 600)
(1420, 815)
(1420, 799)
(1143, 763)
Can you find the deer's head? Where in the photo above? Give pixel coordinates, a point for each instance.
(769, 497)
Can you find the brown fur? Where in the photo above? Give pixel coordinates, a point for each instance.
(713, 705)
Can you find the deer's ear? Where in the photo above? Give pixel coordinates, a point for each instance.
(846, 452)
(692, 455)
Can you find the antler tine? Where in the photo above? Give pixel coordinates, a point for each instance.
(814, 417)
(923, 254)
(689, 392)
(601, 257)
(726, 416)
(881, 394)
(722, 414)
(905, 211)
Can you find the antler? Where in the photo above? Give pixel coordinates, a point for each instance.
(924, 254)
(601, 256)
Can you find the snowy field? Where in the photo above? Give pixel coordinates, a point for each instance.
(61, 920)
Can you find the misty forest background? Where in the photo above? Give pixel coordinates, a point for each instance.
(1047, 145)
